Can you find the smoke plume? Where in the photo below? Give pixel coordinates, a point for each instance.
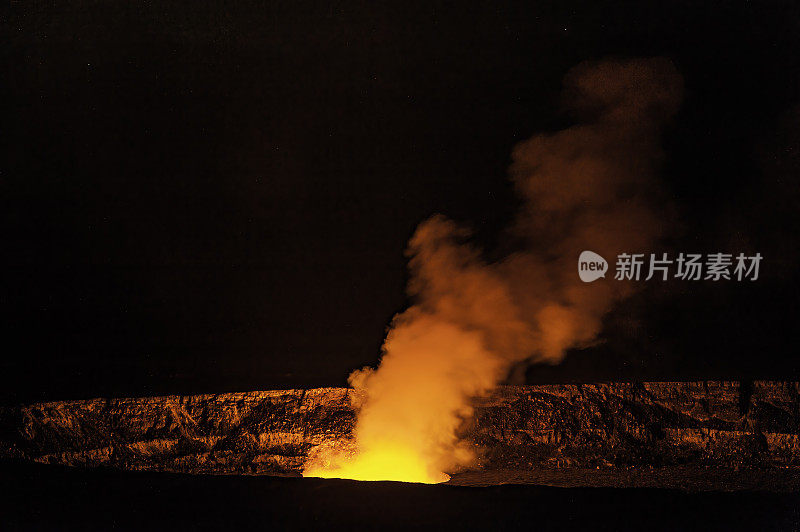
(589, 187)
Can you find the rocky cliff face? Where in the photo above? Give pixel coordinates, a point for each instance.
(727, 424)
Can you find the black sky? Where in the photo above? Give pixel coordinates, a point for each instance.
(214, 197)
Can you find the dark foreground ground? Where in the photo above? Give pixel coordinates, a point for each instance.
(684, 478)
(44, 497)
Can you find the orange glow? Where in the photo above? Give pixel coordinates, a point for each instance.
(587, 187)
(388, 462)
(413, 405)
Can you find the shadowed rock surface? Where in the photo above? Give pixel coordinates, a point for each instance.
(616, 425)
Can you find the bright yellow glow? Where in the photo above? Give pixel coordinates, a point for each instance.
(410, 409)
(390, 462)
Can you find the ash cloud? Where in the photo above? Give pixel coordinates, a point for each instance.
(592, 187)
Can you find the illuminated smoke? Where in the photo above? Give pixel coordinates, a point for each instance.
(589, 187)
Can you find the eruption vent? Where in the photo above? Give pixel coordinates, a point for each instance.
(590, 186)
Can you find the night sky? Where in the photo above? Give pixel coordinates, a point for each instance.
(207, 197)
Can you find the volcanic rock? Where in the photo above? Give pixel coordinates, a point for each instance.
(713, 423)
